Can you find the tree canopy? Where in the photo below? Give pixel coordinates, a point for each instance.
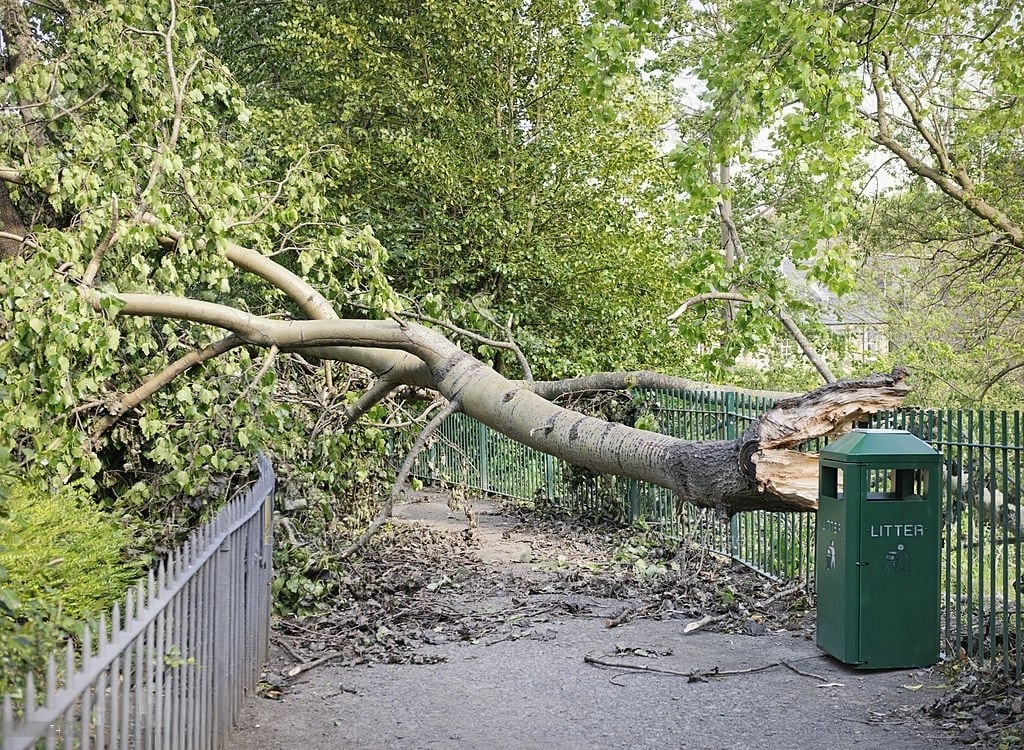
(462, 136)
(858, 97)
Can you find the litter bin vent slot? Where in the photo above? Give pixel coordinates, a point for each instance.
(897, 484)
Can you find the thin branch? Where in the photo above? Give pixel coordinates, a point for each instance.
(478, 338)
(268, 361)
(403, 473)
(524, 364)
(27, 240)
(697, 675)
(177, 96)
(784, 317)
(937, 149)
(370, 398)
(308, 665)
(953, 187)
(161, 379)
(94, 263)
(706, 297)
(269, 202)
(996, 378)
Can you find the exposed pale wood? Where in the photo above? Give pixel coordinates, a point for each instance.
(831, 409)
(791, 475)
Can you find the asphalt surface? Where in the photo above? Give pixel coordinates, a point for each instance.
(537, 689)
(538, 692)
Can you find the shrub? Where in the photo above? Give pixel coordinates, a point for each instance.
(61, 558)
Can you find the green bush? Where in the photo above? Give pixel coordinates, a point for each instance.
(60, 562)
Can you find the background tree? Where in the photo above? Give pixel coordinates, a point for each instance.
(461, 136)
(932, 87)
(952, 318)
(764, 215)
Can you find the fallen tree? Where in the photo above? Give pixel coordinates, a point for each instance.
(759, 470)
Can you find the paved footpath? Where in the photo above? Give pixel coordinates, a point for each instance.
(536, 690)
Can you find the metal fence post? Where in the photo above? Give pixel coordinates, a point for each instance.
(633, 488)
(485, 463)
(549, 475)
(729, 410)
(221, 633)
(170, 670)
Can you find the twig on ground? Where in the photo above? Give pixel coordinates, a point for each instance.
(781, 594)
(790, 667)
(286, 647)
(305, 667)
(696, 625)
(629, 613)
(696, 675)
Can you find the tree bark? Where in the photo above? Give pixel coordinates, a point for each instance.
(11, 225)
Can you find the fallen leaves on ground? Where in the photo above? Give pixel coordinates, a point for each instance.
(414, 587)
(986, 710)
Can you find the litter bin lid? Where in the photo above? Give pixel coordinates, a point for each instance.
(861, 446)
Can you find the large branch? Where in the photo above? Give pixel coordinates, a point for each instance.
(396, 367)
(957, 186)
(621, 381)
(720, 474)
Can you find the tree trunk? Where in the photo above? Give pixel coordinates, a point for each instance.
(12, 228)
(726, 475)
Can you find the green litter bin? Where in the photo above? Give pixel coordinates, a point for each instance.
(877, 550)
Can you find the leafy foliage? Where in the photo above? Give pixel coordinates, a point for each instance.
(145, 157)
(63, 562)
(805, 94)
(146, 122)
(499, 191)
(953, 322)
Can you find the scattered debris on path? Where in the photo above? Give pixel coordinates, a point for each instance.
(438, 576)
(426, 583)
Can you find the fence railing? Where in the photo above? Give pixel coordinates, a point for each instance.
(981, 561)
(469, 454)
(170, 667)
(983, 576)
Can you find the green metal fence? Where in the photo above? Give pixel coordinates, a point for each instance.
(981, 561)
(468, 454)
(982, 571)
